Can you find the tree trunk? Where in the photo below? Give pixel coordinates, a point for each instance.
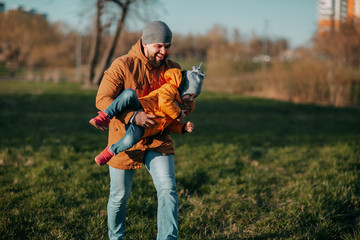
(105, 62)
(95, 46)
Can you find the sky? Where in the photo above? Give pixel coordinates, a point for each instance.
(294, 20)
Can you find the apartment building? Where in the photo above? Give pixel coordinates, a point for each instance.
(331, 13)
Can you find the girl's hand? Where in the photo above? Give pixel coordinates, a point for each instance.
(189, 127)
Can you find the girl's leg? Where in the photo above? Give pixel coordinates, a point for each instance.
(127, 100)
(120, 188)
(131, 137)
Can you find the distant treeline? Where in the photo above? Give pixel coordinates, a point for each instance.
(325, 73)
(31, 41)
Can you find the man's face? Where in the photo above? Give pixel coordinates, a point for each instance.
(157, 53)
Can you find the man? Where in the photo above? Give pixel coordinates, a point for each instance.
(142, 70)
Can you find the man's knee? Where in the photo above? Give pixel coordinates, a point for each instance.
(166, 185)
(119, 197)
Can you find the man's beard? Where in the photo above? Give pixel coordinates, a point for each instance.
(155, 63)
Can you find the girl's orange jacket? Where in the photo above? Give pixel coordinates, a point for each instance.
(165, 104)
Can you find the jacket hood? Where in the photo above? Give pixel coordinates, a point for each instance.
(136, 51)
(173, 76)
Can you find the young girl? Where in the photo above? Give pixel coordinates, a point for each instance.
(163, 102)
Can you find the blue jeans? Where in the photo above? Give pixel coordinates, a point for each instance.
(132, 136)
(162, 170)
(127, 100)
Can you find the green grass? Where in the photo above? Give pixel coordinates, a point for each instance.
(253, 169)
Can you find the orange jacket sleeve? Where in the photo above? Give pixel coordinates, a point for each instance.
(167, 103)
(175, 127)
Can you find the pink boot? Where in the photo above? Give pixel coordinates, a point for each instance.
(104, 157)
(101, 121)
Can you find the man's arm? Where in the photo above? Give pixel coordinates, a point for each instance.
(108, 90)
(110, 87)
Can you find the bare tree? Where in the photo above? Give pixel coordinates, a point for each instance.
(95, 45)
(342, 45)
(124, 7)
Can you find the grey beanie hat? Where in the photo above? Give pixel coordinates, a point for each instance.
(192, 81)
(156, 32)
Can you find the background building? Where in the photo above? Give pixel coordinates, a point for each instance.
(354, 10)
(331, 13)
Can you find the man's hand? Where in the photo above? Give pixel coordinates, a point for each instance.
(144, 119)
(189, 127)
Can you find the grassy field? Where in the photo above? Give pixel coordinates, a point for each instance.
(253, 169)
